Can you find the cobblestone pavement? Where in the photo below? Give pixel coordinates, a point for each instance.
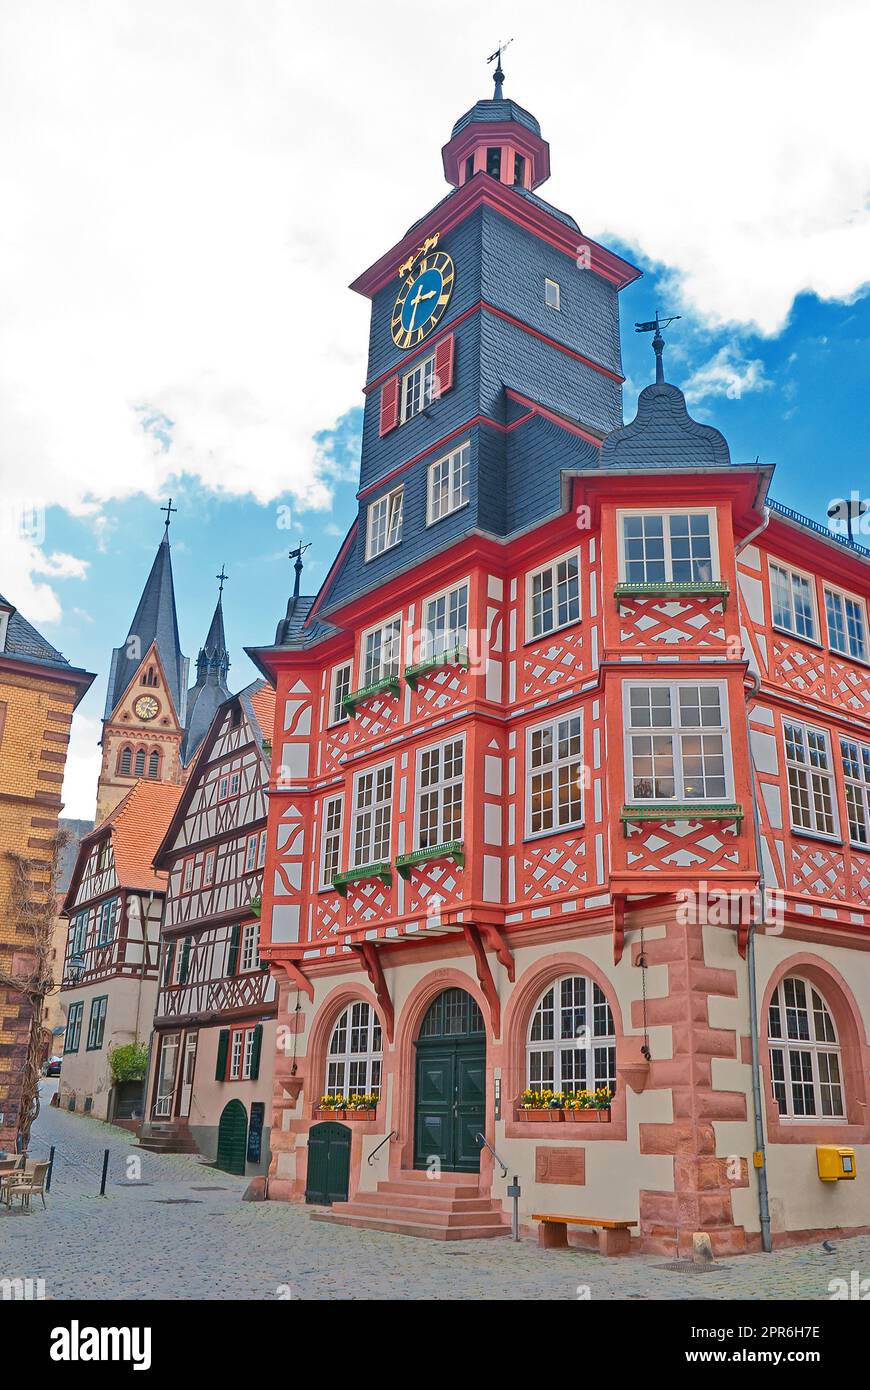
(164, 1237)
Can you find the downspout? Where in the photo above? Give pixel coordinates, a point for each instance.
(757, 1101)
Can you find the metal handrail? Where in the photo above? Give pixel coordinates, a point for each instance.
(486, 1144)
(393, 1134)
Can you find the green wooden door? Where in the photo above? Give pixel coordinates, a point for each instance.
(450, 1098)
(328, 1163)
(232, 1138)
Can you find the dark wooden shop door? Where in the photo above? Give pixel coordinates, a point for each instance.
(450, 1098)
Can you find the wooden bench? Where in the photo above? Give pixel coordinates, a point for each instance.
(613, 1236)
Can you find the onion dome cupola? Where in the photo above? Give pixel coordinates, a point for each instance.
(500, 138)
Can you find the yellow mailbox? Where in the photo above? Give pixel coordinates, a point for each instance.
(835, 1162)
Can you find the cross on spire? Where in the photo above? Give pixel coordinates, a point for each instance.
(168, 509)
(498, 75)
(655, 327)
(222, 577)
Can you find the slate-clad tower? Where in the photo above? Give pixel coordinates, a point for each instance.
(568, 687)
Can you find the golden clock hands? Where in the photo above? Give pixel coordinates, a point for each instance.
(416, 301)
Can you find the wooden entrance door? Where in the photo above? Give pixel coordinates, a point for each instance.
(232, 1138)
(328, 1164)
(188, 1067)
(450, 1097)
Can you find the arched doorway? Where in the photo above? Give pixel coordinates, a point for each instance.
(232, 1138)
(328, 1163)
(450, 1095)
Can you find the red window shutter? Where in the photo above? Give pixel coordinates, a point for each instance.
(389, 405)
(444, 365)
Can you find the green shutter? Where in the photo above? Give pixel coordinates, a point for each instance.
(233, 954)
(220, 1071)
(185, 960)
(255, 1052)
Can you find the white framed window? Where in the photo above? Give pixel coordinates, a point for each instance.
(552, 294)
(187, 875)
(440, 773)
(339, 686)
(330, 858)
(234, 783)
(792, 601)
(677, 745)
(353, 1062)
(208, 869)
(445, 622)
(241, 1059)
(385, 523)
(805, 1065)
(449, 482)
(251, 853)
(261, 850)
(553, 596)
(847, 624)
(223, 788)
(554, 775)
(572, 1038)
(372, 816)
(418, 388)
(381, 652)
(811, 793)
(856, 771)
(667, 547)
(250, 952)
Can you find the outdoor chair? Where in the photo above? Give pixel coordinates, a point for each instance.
(23, 1185)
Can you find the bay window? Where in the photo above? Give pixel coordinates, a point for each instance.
(372, 816)
(445, 623)
(677, 742)
(554, 775)
(856, 772)
(439, 794)
(553, 596)
(668, 547)
(381, 652)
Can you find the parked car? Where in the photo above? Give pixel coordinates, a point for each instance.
(52, 1066)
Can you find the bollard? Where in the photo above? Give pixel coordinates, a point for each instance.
(514, 1192)
(105, 1171)
(50, 1169)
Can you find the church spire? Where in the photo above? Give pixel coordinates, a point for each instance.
(155, 621)
(210, 688)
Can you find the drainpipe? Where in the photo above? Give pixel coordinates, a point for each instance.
(757, 1102)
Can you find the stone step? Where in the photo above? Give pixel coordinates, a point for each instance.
(414, 1227)
(431, 1216)
(436, 1188)
(424, 1201)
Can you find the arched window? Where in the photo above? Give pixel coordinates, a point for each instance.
(125, 761)
(353, 1063)
(572, 1040)
(804, 1053)
(153, 763)
(140, 761)
(149, 676)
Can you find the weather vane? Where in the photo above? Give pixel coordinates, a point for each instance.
(168, 509)
(498, 75)
(223, 577)
(655, 327)
(297, 556)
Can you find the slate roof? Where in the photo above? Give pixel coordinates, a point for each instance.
(488, 109)
(155, 620)
(663, 436)
(23, 640)
(210, 689)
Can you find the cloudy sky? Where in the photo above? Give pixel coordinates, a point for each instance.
(188, 186)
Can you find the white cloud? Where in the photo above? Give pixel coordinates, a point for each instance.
(82, 768)
(726, 375)
(189, 186)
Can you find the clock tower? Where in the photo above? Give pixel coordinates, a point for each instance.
(146, 701)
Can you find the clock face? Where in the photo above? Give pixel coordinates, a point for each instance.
(422, 300)
(146, 707)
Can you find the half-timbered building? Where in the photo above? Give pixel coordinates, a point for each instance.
(568, 860)
(113, 904)
(214, 1023)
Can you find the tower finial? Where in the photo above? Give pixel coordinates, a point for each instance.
(498, 75)
(297, 556)
(655, 327)
(222, 577)
(168, 509)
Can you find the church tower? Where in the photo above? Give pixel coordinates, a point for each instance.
(146, 702)
(210, 688)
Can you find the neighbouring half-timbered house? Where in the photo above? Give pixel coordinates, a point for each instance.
(214, 1023)
(570, 795)
(113, 905)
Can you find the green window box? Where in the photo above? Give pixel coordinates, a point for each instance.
(456, 656)
(388, 684)
(664, 811)
(713, 588)
(382, 871)
(451, 850)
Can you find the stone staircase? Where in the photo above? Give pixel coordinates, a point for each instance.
(168, 1138)
(446, 1208)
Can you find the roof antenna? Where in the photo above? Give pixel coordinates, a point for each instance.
(498, 75)
(168, 509)
(655, 327)
(297, 556)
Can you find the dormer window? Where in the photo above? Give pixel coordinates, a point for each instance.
(552, 294)
(493, 161)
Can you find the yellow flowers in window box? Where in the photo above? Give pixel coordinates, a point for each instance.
(590, 1106)
(547, 1106)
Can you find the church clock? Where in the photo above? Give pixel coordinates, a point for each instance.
(146, 707)
(422, 300)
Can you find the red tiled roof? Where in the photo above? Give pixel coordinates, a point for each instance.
(263, 702)
(139, 823)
